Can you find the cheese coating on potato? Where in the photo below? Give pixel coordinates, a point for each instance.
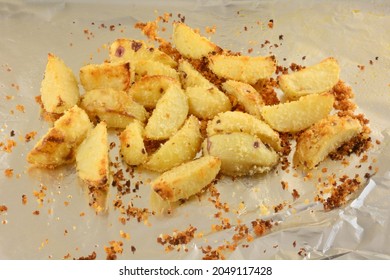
(318, 78)
(245, 69)
(169, 115)
(324, 137)
(152, 68)
(118, 76)
(298, 115)
(236, 121)
(190, 77)
(181, 147)
(58, 145)
(115, 107)
(187, 179)
(59, 87)
(128, 50)
(246, 95)
(132, 146)
(149, 89)
(240, 153)
(191, 44)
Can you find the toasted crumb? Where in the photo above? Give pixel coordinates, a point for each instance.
(9, 172)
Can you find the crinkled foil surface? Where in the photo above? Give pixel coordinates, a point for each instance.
(356, 33)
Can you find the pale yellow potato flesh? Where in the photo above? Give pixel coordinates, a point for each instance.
(59, 87)
(181, 147)
(114, 107)
(169, 115)
(324, 137)
(118, 76)
(205, 103)
(152, 68)
(246, 95)
(236, 121)
(318, 78)
(128, 50)
(58, 145)
(187, 179)
(160, 206)
(245, 69)
(240, 153)
(132, 146)
(149, 89)
(191, 44)
(298, 115)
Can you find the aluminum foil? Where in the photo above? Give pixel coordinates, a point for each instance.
(65, 227)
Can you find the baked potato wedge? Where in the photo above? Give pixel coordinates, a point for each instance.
(181, 147)
(191, 44)
(169, 115)
(92, 165)
(118, 76)
(190, 77)
(114, 107)
(59, 87)
(58, 145)
(205, 103)
(318, 78)
(128, 50)
(187, 179)
(298, 115)
(244, 69)
(240, 153)
(246, 96)
(152, 68)
(160, 206)
(149, 89)
(132, 145)
(236, 121)
(324, 137)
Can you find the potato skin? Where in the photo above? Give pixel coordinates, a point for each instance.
(181, 147)
(114, 107)
(324, 137)
(132, 145)
(298, 115)
(58, 145)
(187, 179)
(59, 87)
(117, 76)
(169, 115)
(240, 153)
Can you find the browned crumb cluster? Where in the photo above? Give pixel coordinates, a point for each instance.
(92, 256)
(266, 88)
(9, 172)
(177, 238)
(3, 208)
(8, 146)
(116, 247)
(295, 194)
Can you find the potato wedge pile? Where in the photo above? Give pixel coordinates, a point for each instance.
(201, 127)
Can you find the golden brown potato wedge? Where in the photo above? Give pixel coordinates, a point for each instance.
(205, 103)
(132, 145)
(191, 44)
(92, 164)
(125, 50)
(114, 107)
(58, 145)
(324, 137)
(187, 179)
(118, 76)
(181, 147)
(59, 87)
(149, 89)
(319, 78)
(245, 69)
(169, 115)
(236, 121)
(240, 153)
(298, 115)
(190, 77)
(246, 96)
(153, 68)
